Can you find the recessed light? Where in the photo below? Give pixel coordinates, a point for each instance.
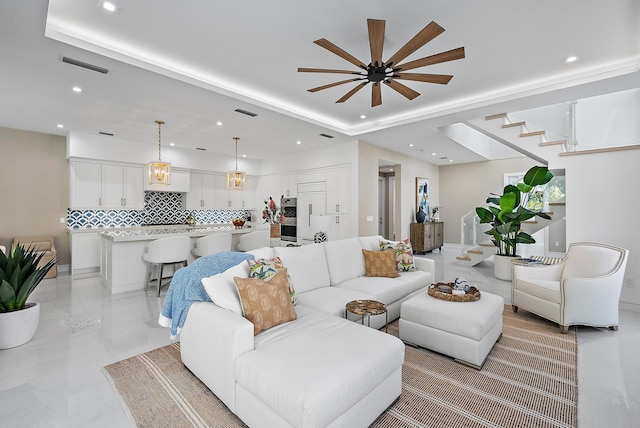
(433, 154)
(410, 145)
(570, 59)
(60, 125)
(363, 116)
(244, 156)
(298, 142)
(172, 144)
(450, 160)
(77, 89)
(107, 5)
(219, 123)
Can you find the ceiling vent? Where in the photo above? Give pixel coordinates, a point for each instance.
(109, 134)
(84, 65)
(326, 135)
(248, 113)
(200, 148)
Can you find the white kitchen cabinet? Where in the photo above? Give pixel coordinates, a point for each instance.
(339, 227)
(202, 191)
(85, 254)
(85, 185)
(122, 187)
(339, 190)
(235, 199)
(289, 185)
(311, 201)
(94, 185)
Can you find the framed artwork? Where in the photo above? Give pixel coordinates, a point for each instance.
(422, 194)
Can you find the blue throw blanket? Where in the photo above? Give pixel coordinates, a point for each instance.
(186, 287)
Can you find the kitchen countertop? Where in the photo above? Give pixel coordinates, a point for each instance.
(145, 233)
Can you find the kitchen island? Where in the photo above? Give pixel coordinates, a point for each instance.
(121, 265)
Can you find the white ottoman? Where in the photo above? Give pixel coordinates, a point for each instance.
(465, 331)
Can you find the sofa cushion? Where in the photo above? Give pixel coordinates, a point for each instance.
(262, 253)
(266, 303)
(385, 290)
(344, 259)
(403, 254)
(306, 265)
(380, 263)
(417, 280)
(314, 369)
(370, 242)
(265, 269)
(332, 300)
(222, 290)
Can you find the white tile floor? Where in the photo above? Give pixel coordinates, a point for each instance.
(56, 379)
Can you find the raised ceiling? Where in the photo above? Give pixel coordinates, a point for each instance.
(192, 63)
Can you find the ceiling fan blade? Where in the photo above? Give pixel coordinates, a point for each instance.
(326, 70)
(376, 39)
(402, 89)
(340, 52)
(451, 55)
(349, 94)
(441, 79)
(424, 36)
(331, 85)
(376, 94)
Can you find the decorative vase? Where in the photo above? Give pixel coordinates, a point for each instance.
(19, 327)
(274, 234)
(420, 215)
(502, 267)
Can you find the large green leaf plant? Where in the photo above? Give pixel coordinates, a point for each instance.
(19, 276)
(506, 213)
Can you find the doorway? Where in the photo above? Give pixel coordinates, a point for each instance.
(386, 201)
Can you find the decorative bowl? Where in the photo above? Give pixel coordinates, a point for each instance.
(238, 222)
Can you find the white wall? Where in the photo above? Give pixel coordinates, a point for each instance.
(117, 150)
(406, 172)
(603, 206)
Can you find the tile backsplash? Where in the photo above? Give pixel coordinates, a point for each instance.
(159, 208)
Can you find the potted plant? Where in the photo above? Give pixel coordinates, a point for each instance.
(507, 212)
(19, 277)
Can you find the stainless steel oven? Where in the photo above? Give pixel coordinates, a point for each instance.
(288, 228)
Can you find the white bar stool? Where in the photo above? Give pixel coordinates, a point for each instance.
(166, 251)
(212, 244)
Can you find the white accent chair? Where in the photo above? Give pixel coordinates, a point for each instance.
(172, 250)
(212, 244)
(584, 289)
(253, 240)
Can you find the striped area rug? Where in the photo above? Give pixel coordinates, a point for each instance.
(529, 380)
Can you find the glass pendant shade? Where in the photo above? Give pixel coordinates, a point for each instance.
(159, 172)
(236, 179)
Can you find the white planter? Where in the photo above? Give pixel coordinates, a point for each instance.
(502, 267)
(19, 327)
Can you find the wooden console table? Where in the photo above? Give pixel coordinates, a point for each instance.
(426, 236)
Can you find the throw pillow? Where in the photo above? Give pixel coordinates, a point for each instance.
(221, 288)
(380, 263)
(403, 254)
(266, 303)
(264, 269)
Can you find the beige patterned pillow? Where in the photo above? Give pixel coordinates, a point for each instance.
(403, 253)
(380, 263)
(266, 303)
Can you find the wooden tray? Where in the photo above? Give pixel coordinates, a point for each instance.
(443, 291)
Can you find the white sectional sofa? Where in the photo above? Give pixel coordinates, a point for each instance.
(319, 370)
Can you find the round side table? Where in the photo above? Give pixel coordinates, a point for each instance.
(366, 308)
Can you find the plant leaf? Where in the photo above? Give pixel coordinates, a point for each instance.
(7, 296)
(537, 175)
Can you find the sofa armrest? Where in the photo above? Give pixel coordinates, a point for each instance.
(210, 341)
(426, 265)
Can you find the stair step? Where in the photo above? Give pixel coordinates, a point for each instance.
(553, 143)
(475, 252)
(496, 116)
(513, 124)
(487, 244)
(532, 133)
(465, 258)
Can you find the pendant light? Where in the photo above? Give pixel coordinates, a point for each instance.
(159, 172)
(236, 179)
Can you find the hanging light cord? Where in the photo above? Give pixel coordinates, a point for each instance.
(160, 123)
(236, 139)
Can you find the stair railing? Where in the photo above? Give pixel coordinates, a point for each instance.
(472, 232)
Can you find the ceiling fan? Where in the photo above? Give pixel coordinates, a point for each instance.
(390, 71)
